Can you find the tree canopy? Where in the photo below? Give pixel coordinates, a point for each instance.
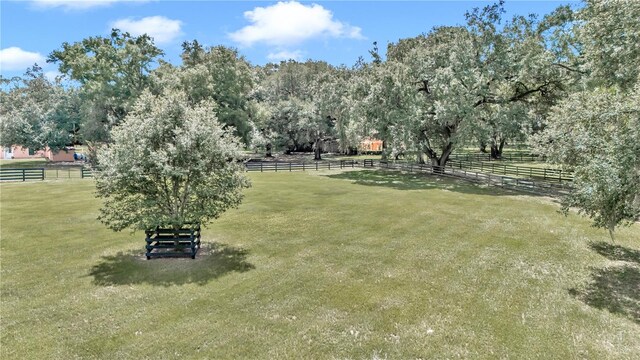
(170, 163)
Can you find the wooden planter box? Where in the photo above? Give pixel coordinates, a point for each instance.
(162, 242)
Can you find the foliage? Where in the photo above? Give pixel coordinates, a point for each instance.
(438, 89)
(218, 74)
(37, 113)
(596, 130)
(112, 71)
(170, 164)
(597, 134)
(299, 104)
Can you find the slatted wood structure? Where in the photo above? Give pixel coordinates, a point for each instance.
(169, 242)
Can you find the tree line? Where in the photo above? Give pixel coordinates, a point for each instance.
(567, 83)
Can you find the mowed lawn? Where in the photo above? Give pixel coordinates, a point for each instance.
(356, 265)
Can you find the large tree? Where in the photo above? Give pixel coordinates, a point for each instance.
(298, 105)
(38, 113)
(112, 72)
(596, 130)
(169, 164)
(438, 89)
(222, 75)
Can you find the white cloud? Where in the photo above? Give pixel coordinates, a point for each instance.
(52, 75)
(76, 4)
(14, 58)
(290, 23)
(163, 30)
(285, 55)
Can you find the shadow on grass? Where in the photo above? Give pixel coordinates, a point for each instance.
(212, 262)
(614, 288)
(407, 181)
(615, 252)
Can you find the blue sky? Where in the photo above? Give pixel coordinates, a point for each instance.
(335, 31)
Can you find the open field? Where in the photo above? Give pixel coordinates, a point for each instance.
(362, 265)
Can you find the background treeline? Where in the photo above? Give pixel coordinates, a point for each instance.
(566, 83)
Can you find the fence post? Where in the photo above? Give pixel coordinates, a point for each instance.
(276, 165)
(261, 166)
(289, 166)
(303, 165)
(545, 174)
(24, 176)
(42, 173)
(329, 162)
(316, 165)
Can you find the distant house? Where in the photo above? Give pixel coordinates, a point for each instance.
(370, 145)
(19, 152)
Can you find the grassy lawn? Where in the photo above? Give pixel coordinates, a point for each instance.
(23, 163)
(321, 265)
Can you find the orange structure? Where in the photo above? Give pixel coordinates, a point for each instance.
(368, 144)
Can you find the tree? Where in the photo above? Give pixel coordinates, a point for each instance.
(596, 130)
(222, 75)
(169, 164)
(37, 113)
(597, 135)
(296, 97)
(112, 71)
(438, 90)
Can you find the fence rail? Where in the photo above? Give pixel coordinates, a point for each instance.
(265, 166)
(503, 157)
(527, 185)
(459, 172)
(21, 174)
(546, 174)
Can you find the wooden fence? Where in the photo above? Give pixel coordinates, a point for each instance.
(520, 184)
(505, 157)
(21, 174)
(265, 166)
(546, 174)
(453, 170)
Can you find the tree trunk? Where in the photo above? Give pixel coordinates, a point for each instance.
(438, 163)
(420, 158)
(384, 149)
(483, 147)
(496, 149)
(317, 150)
(268, 150)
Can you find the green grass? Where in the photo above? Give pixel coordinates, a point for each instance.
(23, 163)
(313, 265)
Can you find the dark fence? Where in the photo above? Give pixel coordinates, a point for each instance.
(505, 157)
(528, 185)
(21, 174)
(514, 183)
(276, 166)
(25, 174)
(546, 174)
(455, 169)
